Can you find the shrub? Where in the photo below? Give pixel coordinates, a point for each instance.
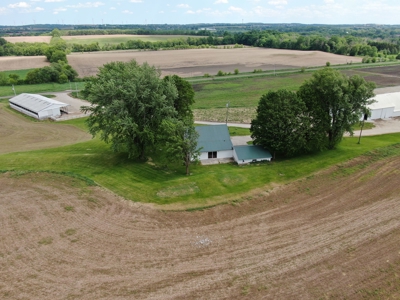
(206, 75)
(221, 73)
(236, 71)
(328, 64)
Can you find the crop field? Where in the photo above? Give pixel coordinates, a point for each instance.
(197, 62)
(331, 236)
(28, 39)
(120, 38)
(11, 63)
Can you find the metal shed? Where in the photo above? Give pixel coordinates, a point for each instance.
(250, 153)
(386, 106)
(38, 106)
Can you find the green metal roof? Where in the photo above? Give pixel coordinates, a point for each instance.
(214, 138)
(249, 152)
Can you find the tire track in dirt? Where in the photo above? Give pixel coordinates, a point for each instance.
(332, 235)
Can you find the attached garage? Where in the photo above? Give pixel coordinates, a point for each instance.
(38, 106)
(386, 106)
(250, 153)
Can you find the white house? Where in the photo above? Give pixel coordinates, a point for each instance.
(38, 106)
(214, 142)
(386, 106)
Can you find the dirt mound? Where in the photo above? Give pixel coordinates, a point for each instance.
(330, 236)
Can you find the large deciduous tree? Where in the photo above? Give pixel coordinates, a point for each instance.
(334, 103)
(129, 102)
(185, 98)
(281, 123)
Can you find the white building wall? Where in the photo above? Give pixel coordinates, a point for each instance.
(220, 154)
(24, 111)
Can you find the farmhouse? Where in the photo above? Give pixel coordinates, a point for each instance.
(386, 106)
(250, 153)
(214, 142)
(38, 106)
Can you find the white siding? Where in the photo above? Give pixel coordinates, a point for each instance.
(220, 154)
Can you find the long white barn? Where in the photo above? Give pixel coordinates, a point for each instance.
(386, 106)
(38, 106)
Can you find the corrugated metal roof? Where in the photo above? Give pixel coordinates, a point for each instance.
(246, 152)
(36, 103)
(214, 138)
(386, 100)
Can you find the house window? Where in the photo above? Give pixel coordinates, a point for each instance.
(212, 154)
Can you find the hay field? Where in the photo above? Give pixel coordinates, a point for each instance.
(197, 62)
(331, 236)
(28, 39)
(18, 133)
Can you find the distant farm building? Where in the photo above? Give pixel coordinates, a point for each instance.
(386, 106)
(38, 106)
(250, 153)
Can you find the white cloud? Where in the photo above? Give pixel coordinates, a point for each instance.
(277, 2)
(236, 9)
(112, 8)
(52, 1)
(86, 5)
(3, 10)
(190, 12)
(221, 2)
(19, 5)
(58, 10)
(161, 12)
(329, 1)
(127, 12)
(37, 9)
(183, 5)
(136, 1)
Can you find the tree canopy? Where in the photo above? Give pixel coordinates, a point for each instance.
(316, 117)
(128, 104)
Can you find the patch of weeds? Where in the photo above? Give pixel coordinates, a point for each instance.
(69, 208)
(46, 241)
(70, 231)
(246, 290)
(179, 190)
(92, 200)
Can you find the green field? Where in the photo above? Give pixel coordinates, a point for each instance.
(39, 88)
(152, 183)
(242, 92)
(20, 73)
(110, 40)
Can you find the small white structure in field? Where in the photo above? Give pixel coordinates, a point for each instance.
(386, 106)
(38, 106)
(214, 142)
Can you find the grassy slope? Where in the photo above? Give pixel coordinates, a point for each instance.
(20, 73)
(142, 182)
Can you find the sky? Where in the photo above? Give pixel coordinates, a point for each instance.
(26, 12)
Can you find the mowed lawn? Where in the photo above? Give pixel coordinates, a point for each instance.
(115, 40)
(150, 182)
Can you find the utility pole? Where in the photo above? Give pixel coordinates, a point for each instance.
(227, 111)
(15, 94)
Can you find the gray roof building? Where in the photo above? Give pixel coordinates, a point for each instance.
(249, 153)
(214, 138)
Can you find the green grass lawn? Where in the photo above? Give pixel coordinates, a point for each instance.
(20, 73)
(242, 92)
(151, 183)
(38, 88)
(123, 39)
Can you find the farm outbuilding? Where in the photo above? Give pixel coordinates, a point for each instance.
(214, 142)
(250, 153)
(386, 106)
(38, 106)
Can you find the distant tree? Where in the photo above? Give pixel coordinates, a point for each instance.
(281, 124)
(4, 79)
(2, 41)
(129, 102)
(58, 55)
(56, 33)
(334, 103)
(13, 78)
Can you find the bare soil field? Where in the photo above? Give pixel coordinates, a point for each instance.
(10, 63)
(17, 133)
(382, 76)
(28, 39)
(197, 62)
(335, 235)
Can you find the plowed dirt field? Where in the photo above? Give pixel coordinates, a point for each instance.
(335, 235)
